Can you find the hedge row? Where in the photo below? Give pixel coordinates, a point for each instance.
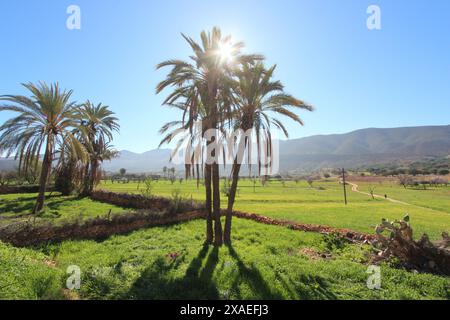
(23, 235)
(136, 201)
(21, 189)
(345, 233)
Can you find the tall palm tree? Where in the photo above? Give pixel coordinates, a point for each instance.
(190, 132)
(209, 77)
(46, 119)
(96, 127)
(257, 98)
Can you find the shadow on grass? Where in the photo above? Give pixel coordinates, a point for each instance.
(156, 281)
(20, 206)
(253, 277)
(159, 281)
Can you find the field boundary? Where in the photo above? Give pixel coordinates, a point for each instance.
(345, 233)
(25, 234)
(22, 189)
(137, 201)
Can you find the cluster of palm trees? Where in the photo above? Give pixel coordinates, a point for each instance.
(70, 135)
(222, 88)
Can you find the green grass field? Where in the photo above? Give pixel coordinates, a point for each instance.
(323, 204)
(266, 262)
(17, 208)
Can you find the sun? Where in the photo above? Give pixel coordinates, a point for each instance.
(226, 52)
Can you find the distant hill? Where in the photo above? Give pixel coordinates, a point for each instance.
(365, 147)
(355, 149)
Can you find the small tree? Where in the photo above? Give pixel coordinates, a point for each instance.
(148, 187)
(405, 180)
(122, 172)
(310, 181)
(371, 191)
(3, 179)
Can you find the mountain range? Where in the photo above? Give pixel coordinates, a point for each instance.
(358, 148)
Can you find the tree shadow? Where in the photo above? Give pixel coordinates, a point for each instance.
(160, 281)
(157, 281)
(19, 206)
(253, 278)
(25, 204)
(305, 287)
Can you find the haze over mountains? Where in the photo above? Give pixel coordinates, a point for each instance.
(358, 148)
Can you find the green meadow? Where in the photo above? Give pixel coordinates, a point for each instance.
(17, 208)
(323, 203)
(265, 262)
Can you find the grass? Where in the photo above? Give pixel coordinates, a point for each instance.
(18, 207)
(436, 198)
(26, 274)
(266, 262)
(323, 204)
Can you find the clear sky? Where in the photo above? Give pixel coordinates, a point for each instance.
(326, 55)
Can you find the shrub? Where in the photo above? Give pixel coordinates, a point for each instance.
(179, 202)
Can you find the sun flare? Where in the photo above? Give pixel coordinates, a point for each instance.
(226, 52)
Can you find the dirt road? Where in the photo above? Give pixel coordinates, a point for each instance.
(355, 189)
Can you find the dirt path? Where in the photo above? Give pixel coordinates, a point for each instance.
(355, 189)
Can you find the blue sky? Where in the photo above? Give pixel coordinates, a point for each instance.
(355, 77)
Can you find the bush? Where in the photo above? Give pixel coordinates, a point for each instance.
(178, 202)
(64, 179)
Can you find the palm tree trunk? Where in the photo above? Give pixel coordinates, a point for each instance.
(216, 205)
(86, 179)
(233, 189)
(209, 219)
(231, 199)
(93, 176)
(45, 173)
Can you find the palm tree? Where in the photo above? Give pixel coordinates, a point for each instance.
(257, 97)
(192, 129)
(208, 78)
(46, 119)
(97, 124)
